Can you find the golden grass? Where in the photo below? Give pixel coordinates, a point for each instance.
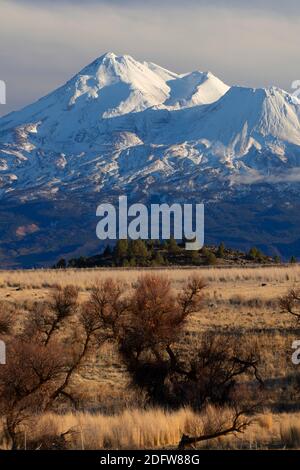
(132, 429)
(233, 285)
(156, 429)
(290, 432)
(236, 298)
(84, 278)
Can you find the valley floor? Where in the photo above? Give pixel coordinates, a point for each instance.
(237, 300)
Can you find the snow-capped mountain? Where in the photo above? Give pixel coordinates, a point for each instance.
(123, 126)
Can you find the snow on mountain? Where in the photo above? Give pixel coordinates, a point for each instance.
(245, 118)
(194, 89)
(120, 124)
(252, 112)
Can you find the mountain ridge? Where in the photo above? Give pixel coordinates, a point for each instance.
(121, 126)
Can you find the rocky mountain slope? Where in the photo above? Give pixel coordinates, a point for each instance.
(125, 127)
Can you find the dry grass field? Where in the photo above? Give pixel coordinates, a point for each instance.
(226, 282)
(243, 300)
(157, 429)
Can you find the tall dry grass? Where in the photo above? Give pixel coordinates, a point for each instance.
(290, 432)
(84, 278)
(155, 429)
(132, 429)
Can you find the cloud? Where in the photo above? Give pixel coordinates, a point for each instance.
(44, 43)
(290, 176)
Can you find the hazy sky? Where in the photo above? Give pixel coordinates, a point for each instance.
(44, 43)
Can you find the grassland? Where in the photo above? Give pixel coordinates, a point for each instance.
(243, 300)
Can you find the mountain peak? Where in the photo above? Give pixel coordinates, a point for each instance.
(121, 126)
(120, 86)
(114, 85)
(109, 55)
(108, 61)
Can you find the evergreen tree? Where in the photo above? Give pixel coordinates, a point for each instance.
(211, 258)
(193, 257)
(82, 262)
(255, 254)
(121, 250)
(205, 251)
(132, 262)
(61, 264)
(72, 263)
(293, 260)
(221, 251)
(138, 249)
(173, 248)
(159, 260)
(107, 251)
(151, 244)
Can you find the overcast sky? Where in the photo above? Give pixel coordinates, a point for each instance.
(44, 43)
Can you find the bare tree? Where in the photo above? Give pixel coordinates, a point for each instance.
(212, 370)
(5, 323)
(216, 425)
(6, 320)
(156, 316)
(147, 325)
(90, 334)
(291, 303)
(106, 308)
(48, 317)
(96, 323)
(26, 382)
(63, 304)
(149, 342)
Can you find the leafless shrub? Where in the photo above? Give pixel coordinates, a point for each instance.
(6, 320)
(146, 324)
(106, 307)
(290, 303)
(48, 317)
(211, 371)
(63, 303)
(155, 316)
(153, 323)
(27, 381)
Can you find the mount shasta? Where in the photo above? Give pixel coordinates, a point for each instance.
(126, 127)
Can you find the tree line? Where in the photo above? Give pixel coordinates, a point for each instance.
(156, 253)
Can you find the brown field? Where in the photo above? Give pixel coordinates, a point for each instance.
(236, 299)
(24, 285)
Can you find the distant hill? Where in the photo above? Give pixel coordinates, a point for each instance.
(169, 253)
